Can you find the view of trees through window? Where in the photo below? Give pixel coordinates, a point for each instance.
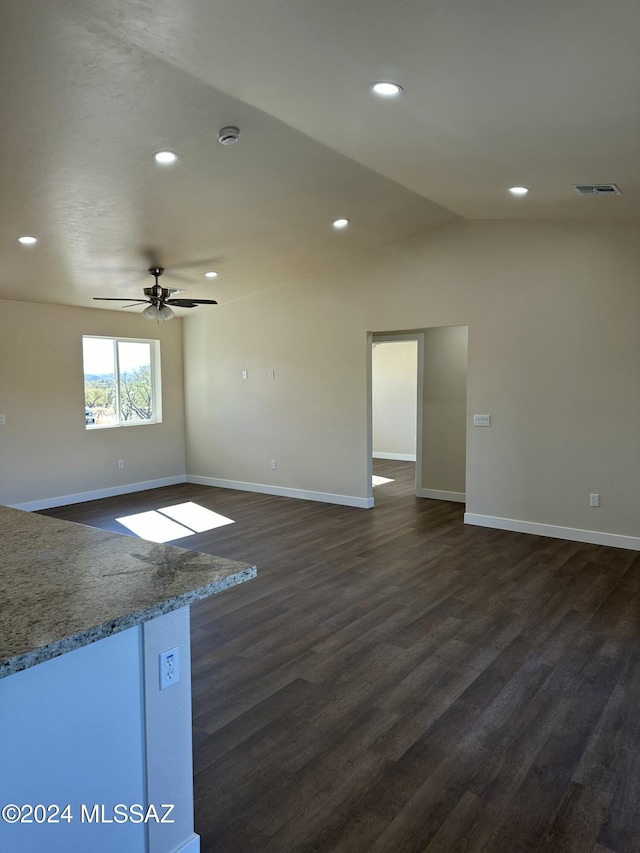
(118, 381)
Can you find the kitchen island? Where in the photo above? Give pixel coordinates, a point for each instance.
(94, 748)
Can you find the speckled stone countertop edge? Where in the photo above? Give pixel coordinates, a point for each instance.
(114, 626)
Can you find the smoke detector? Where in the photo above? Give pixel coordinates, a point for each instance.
(228, 135)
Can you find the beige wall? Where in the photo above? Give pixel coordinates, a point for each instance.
(394, 397)
(554, 358)
(444, 419)
(45, 450)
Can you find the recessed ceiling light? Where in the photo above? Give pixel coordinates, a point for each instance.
(211, 274)
(165, 157)
(518, 190)
(389, 90)
(340, 223)
(27, 240)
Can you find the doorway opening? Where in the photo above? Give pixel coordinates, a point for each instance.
(417, 388)
(395, 410)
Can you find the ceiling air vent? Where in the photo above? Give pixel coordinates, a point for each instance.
(596, 189)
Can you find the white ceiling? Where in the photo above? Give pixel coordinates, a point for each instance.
(545, 94)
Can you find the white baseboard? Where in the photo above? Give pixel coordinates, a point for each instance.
(438, 495)
(403, 457)
(573, 534)
(282, 491)
(82, 497)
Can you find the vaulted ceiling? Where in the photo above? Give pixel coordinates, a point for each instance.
(543, 94)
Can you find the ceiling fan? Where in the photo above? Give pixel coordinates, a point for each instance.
(159, 299)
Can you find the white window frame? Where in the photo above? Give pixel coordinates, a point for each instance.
(156, 381)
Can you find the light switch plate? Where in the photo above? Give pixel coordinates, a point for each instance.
(482, 420)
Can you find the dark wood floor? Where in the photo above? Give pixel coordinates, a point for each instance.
(397, 681)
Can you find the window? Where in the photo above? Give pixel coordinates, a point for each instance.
(121, 382)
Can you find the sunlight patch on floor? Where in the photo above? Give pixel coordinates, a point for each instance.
(173, 522)
(154, 527)
(197, 517)
(379, 481)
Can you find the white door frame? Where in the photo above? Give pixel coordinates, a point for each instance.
(387, 338)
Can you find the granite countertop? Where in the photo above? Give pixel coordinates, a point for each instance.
(65, 585)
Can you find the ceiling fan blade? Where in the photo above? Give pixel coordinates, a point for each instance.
(189, 303)
(136, 303)
(117, 299)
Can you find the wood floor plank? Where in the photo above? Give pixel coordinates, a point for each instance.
(533, 809)
(429, 808)
(453, 835)
(211, 746)
(578, 822)
(607, 762)
(395, 680)
(323, 779)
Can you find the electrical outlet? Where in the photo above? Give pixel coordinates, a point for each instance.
(120, 464)
(271, 374)
(273, 464)
(169, 668)
(594, 500)
(2, 420)
(244, 374)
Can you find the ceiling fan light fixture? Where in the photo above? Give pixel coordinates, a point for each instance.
(161, 313)
(158, 299)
